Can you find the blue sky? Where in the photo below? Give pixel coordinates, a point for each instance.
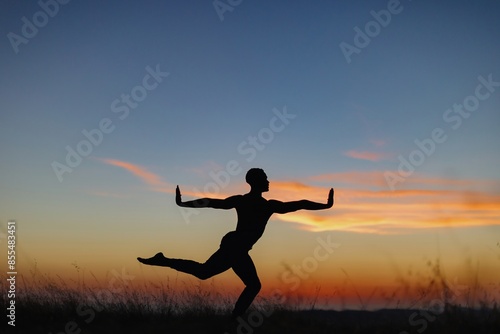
(225, 79)
(227, 76)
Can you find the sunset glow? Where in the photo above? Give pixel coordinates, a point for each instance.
(109, 106)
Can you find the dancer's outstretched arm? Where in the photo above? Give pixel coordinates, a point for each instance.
(284, 207)
(206, 202)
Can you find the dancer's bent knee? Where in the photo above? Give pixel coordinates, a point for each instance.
(203, 275)
(254, 286)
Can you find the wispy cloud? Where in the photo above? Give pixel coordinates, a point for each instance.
(367, 155)
(364, 204)
(434, 203)
(154, 181)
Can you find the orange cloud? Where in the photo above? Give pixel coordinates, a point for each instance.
(153, 180)
(390, 212)
(365, 205)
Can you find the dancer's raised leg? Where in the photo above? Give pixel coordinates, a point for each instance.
(157, 260)
(219, 262)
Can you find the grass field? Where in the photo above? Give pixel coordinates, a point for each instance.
(47, 305)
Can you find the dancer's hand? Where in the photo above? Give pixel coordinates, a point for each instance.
(329, 203)
(178, 198)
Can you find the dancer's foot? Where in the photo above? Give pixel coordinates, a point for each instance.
(156, 260)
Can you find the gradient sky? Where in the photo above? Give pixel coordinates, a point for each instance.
(350, 123)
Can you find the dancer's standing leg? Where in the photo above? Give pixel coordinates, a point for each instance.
(245, 269)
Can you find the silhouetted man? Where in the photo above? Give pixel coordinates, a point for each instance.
(253, 213)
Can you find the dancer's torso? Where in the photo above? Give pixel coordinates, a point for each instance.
(253, 215)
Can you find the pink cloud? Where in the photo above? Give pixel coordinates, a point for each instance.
(366, 155)
(153, 180)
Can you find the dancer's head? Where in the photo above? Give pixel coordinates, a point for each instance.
(257, 179)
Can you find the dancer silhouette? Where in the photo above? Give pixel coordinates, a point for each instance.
(253, 213)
